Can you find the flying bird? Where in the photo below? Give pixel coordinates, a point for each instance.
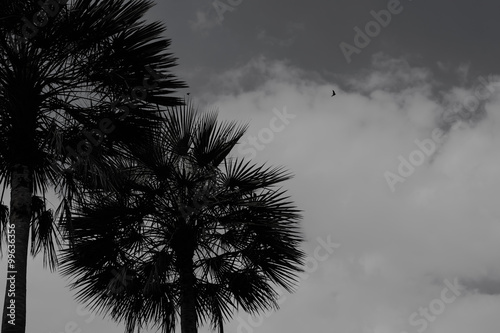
(333, 93)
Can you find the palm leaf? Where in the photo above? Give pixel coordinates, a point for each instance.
(183, 193)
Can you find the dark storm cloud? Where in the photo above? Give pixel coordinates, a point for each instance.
(309, 33)
(486, 285)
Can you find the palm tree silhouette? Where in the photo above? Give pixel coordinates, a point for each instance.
(197, 232)
(76, 74)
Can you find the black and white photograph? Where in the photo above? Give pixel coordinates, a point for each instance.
(250, 166)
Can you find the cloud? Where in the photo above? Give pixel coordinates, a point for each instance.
(474, 313)
(391, 74)
(397, 248)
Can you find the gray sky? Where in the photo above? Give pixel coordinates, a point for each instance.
(398, 171)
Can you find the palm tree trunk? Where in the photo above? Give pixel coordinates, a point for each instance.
(187, 280)
(14, 315)
(188, 301)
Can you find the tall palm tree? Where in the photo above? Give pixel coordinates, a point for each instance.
(192, 234)
(77, 83)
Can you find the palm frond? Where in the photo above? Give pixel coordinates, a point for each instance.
(182, 193)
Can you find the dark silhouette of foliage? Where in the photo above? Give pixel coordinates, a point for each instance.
(77, 71)
(192, 234)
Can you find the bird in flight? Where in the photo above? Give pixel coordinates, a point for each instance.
(333, 93)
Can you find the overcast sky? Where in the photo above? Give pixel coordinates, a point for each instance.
(397, 172)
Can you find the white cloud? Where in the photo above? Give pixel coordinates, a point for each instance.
(397, 248)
